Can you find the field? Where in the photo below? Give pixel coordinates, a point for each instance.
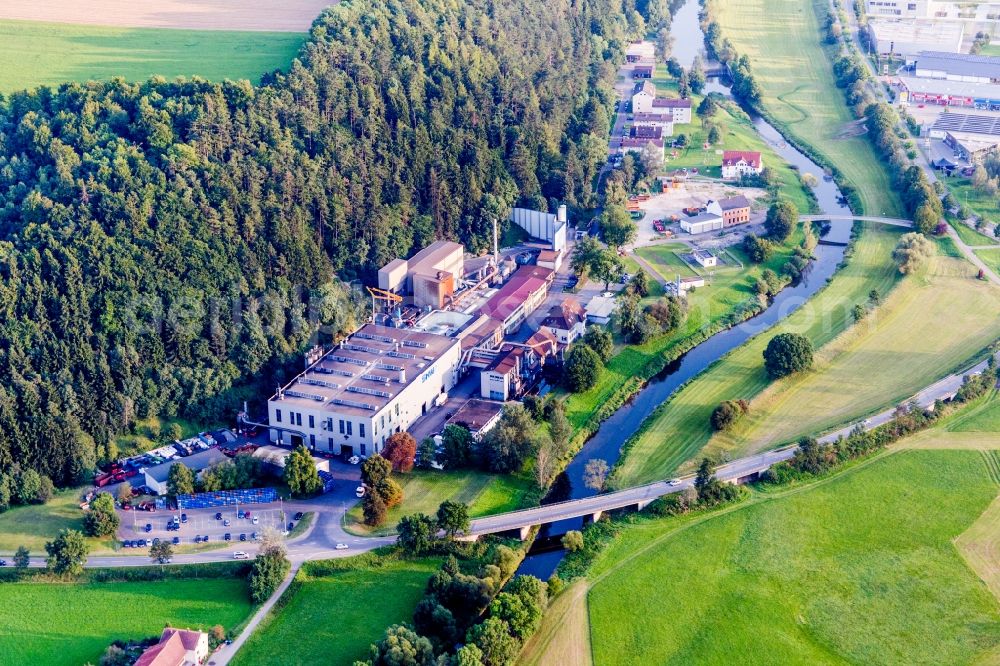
(333, 619)
(423, 492)
(902, 339)
(991, 258)
(782, 38)
(72, 624)
(54, 53)
(982, 204)
(811, 575)
(972, 237)
(680, 429)
(32, 526)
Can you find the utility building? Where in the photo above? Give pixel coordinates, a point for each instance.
(430, 275)
(375, 383)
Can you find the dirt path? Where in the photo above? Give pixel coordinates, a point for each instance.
(258, 15)
(225, 654)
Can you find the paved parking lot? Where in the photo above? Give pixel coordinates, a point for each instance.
(203, 522)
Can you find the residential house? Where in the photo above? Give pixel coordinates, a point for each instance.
(642, 72)
(177, 647)
(663, 121)
(643, 95)
(567, 321)
(734, 210)
(680, 109)
(736, 163)
(477, 416)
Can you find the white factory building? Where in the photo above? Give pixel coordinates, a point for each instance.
(937, 10)
(375, 383)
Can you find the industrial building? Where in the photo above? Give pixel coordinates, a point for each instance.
(973, 137)
(567, 321)
(705, 258)
(943, 92)
(702, 223)
(374, 383)
(156, 477)
(734, 210)
(938, 10)
(543, 226)
(957, 67)
(905, 40)
(523, 292)
(431, 275)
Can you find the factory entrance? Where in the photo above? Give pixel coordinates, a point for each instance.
(296, 440)
(346, 450)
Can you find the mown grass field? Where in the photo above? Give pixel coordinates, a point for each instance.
(991, 257)
(333, 619)
(37, 53)
(899, 349)
(812, 575)
(982, 204)
(679, 429)
(782, 38)
(33, 525)
(972, 237)
(424, 490)
(72, 624)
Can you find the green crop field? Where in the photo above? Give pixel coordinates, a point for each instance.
(333, 619)
(681, 427)
(424, 490)
(811, 575)
(52, 53)
(72, 623)
(782, 38)
(902, 339)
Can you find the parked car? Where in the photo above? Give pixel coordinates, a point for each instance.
(243, 537)
(218, 515)
(354, 460)
(239, 515)
(226, 522)
(156, 541)
(204, 539)
(247, 515)
(675, 482)
(255, 537)
(255, 520)
(149, 527)
(241, 555)
(3, 563)
(359, 491)
(298, 515)
(126, 544)
(184, 517)
(176, 540)
(228, 536)
(290, 526)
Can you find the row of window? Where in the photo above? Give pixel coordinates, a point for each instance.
(346, 427)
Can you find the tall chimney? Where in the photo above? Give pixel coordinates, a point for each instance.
(496, 244)
(561, 215)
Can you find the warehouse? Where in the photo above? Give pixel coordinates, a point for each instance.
(942, 92)
(907, 39)
(702, 223)
(431, 275)
(524, 291)
(156, 477)
(375, 383)
(957, 67)
(275, 458)
(973, 137)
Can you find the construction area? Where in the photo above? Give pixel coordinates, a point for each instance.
(662, 213)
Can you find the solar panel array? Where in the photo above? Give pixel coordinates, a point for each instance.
(967, 122)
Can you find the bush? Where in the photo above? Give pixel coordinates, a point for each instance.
(758, 249)
(581, 368)
(787, 353)
(101, 519)
(728, 413)
(911, 252)
(573, 540)
(268, 570)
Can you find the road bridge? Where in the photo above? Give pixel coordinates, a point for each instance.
(893, 221)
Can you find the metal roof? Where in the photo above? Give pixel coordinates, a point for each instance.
(968, 123)
(960, 64)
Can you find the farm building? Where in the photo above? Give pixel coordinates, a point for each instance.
(431, 275)
(599, 309)
(943, 92)
(973, 137)
(567, 321)
(702, 223)
(734, 210)
(374, 383)
(477, 416)
(705, 258)
(907, 39)
(736, 163)
(957, 67)
(514, 301)
(156, 477)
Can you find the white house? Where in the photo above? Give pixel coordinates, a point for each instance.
(567, 321)
(680, 109)
(177, 647)
(662, 121)
(642, 97)
(736, 163)
(705, 258)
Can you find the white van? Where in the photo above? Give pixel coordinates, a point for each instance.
(241, 555)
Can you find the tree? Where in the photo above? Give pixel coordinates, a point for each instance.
(468, 655)
(374, 510)
(859, 312)
(781, 219)
(714, 134)
(114, 655)
(707, 108)
(874, 297)
(608, 267)
(301, 474)
(22, 557)
(911, 252)
(521, 614)
(584, 255)
(426, 453)
(27, 485)
(375, 470)
(787, 353)
(400, 449)
(600, 340)
(125, 493)
(453, 518)
(639, 284)
(507, 446)
(161, 552)
(617, 226)
(705, 483)
(573, 541)
(457, 443)
(493, 636)
(530, 587)
(416, 533)
(67, 553)
(433, 620)
(101, 519)
(180, 480)
(696, 75)
(758, 249)
(728, 413)
(668, 312)
(402, 647)
(581, 368)
(595, 474)
(268, 570)
(174, 432)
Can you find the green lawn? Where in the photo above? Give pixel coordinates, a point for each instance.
(52, 53)
(991, 257)
(424, 490)
(811, 575)
(984, 205)
(333, 619)
(679, 429)
(972, 237)
(33, 525)
(902, 339)
(72, 624)
(782, 38)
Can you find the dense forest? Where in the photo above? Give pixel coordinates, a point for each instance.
(163, 242)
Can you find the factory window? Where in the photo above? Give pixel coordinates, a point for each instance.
(277, 416)
(397, 409)
(329, 424)
(363, 451)
(349, 428)
(329, 443)
(312, 423)
(298, 419)
(341, 426)
(361, 433)
(383, 422)
(312, 441)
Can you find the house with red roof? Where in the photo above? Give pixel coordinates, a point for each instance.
(736, 163)
(177, 647)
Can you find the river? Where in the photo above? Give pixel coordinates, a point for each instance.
(619, 427)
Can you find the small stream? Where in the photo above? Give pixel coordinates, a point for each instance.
(606, 443)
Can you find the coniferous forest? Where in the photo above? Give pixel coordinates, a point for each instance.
(162, 242)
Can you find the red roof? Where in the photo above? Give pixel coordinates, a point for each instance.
(170, 652)
(734, 157)
(188, 637)
(526, 281)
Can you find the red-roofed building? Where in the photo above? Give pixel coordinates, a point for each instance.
(177, 647)
(523, 292)
(567, 321)
(736, 163)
